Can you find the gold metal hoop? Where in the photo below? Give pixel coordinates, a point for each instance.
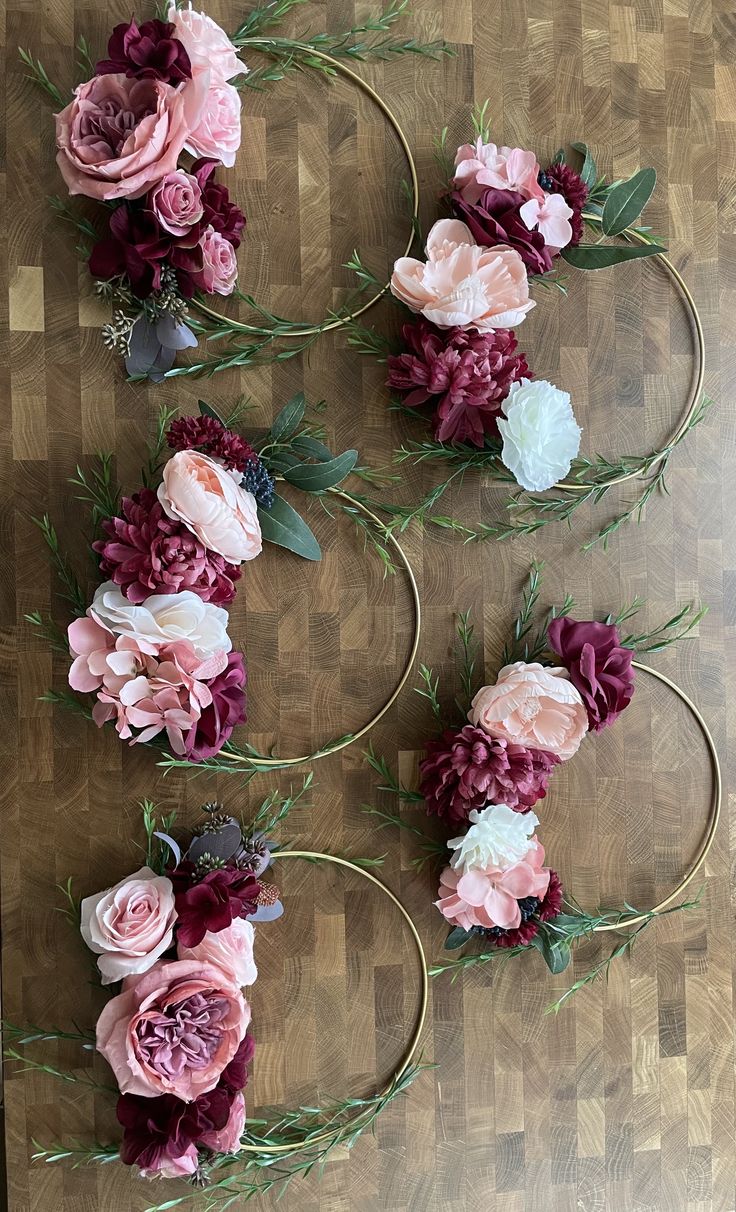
(423, 1000)
(275, 763)
(341, 69)
(715, 808)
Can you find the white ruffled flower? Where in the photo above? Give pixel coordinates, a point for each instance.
(497, 837)
(540, 435)
(164, 618)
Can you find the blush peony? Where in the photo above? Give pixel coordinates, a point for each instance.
(209, 500)
(532, 705)
(539, 432)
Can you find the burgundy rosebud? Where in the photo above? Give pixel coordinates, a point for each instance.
(147, 51)
(219, 212)
(599, 668)
(211, 903)
(216, 723)
(495, 219)
(561, 179)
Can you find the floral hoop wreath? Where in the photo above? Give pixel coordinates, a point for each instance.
(486, 772)
(172, 231)
(512, 223)
(153, 646)
(183, 931)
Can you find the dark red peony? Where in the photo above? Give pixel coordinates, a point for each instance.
(159, 1130)
(600, 669)
(210, 903)
(561, 179)
(466, 373)
(149, 50)
(216, 723)
(495, 219)
(138, 246)
(211, 437)
(219, 211)
(147, 552)
(466, 769)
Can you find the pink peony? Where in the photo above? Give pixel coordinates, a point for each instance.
(177, 202)
(120, 136)
(461, 284)
(219, 272)
(489, 897)
(223, 713)
(209, 500)
(217, 134)
(130, 925)
(173, 1030)
(231, 949)
(208, 46)
(534, 706)
(482, 165)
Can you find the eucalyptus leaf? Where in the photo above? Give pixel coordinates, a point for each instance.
(556, 952)
(281, 460)
(601, 256)
(206, 410)
(283, 526)
(316, 477)
(587, 172)
(627, 200)
(311, 447)
(457, 938)
(289, 419)
(559, 156)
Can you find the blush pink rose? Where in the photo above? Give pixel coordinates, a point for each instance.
(173, 1030)
(120, 136)
(177, 202)
(219, 271)
(532, 705)
(207, 44)
(231, 948)
(463, 284)
(130, 925)
(490, 897)
(217, 134)
(209, 500)
(228, 1139)
(481, 166)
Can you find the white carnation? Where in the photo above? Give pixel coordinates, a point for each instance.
(164, 618)
(540, 435)
(497, 837)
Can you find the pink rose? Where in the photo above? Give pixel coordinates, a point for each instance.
(220, 269)
(534, 706)
(177, 202)
(231, 948)
(130, 925)
(484, 165)
(209, 500)
(217, 134)
(208, 46)
(174, 1167)
(463, 284)
(490, 897)
(228, 1139)
(120, 136)
(173, 1030)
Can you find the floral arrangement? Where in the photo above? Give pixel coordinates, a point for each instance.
(146, 137)
(486, 772)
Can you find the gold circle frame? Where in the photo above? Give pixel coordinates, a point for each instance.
(340, 69)
(317, 856)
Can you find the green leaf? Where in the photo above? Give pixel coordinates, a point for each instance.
(283, 526)
(559, 156)
(628, 200)
(205, 410)
(556, 952)
(601, 256)
(316, 477)
(312, 448)
(457, 938)
(288, 420)
(587, 172)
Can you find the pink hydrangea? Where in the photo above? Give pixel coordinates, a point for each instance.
(488, 897)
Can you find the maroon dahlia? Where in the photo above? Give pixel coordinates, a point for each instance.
(495, 219)
(213, 902)
(219, 211)
(146, 552)
(211, 437)
(561, 179)
(137, 246)
(147, 51)
(467, 374)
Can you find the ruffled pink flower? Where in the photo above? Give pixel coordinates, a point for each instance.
(217, 134)
(171, 695)
(480, 165)
(227, 1140)
(489, 897)
(207, 45)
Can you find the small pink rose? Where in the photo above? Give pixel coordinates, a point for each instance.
(198, 491)
(532, 705)
(217, 134)
(219, 272)
(177, 202)
(130, 925)
(231, 948)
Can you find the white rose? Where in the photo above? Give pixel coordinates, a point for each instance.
(131, 925)
(540, 435)
(497, 837)
(164, 618)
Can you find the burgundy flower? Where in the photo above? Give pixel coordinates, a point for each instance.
(561, 179)
(234, 1076)
(137, 246)
(156, 1130)
(466, 769)
(219, 212)
(148, 552)
(599, 668)
(210, 436)
(520, 937)
(149, 50)
(495, 219)
(212, 902)
(466, 373)
(227, 709)
(551, 903)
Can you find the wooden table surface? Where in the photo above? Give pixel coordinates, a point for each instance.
(626, 1100)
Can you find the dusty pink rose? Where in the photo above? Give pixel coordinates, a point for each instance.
(462, 284)
(490, 897)
(173, 1030)
(227, 1140)
(219, 272)
(130, 925)
(208, 46)
(231, 949)
(209, 500)
(482, 165)
(119, 136)
(217, 134)
(174, 1167)
(532, 705)
(177, 202)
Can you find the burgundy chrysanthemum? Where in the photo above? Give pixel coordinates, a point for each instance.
(466, 769)
(147, 552)
(219, 212)
(210, 436)
(551, 903)
(521, 936)
(147, 51)
(211, 903)
(467, 374)
(227, 709)
(495, 219)
(561, 179)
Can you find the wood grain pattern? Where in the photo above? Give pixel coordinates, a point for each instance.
(626, 1101)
